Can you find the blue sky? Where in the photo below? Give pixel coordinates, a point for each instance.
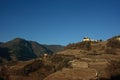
(59, 21)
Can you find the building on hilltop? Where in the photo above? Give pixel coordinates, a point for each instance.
(86, 39)
(92, 40)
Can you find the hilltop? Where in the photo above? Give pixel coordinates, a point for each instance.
(91, 61)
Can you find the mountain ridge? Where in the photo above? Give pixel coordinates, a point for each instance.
(21, 49)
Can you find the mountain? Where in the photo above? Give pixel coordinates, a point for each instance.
(76, 62)
(21, 49)
(55, 48)
(39, 49)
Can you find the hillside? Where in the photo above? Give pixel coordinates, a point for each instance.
(55, 48)
(39, 49)
(21, 49)
(100, 62)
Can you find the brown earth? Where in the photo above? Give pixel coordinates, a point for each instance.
(94, 64)
(73, 74)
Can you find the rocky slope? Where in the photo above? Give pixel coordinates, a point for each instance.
(88, 67)
(64, 66)
(35, 69)
(100, 62)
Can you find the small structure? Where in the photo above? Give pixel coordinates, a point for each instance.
(86, 39)
(45, 55)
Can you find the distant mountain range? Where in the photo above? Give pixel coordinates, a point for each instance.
(21, 49)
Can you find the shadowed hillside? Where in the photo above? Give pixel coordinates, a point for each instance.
(21, 49)
(55, 48)
(39, 49)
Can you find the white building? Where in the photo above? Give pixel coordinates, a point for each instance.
(86, 39)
